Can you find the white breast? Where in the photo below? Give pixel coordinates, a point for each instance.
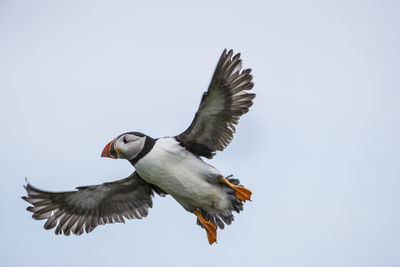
(183, 175)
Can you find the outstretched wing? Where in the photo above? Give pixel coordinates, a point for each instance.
(89, 206)
(221, 106)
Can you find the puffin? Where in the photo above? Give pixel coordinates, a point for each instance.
(172, 165)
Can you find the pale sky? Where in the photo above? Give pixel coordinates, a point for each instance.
(319, 148)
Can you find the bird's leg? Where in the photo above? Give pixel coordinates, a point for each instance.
(211, 230)
(241, 192)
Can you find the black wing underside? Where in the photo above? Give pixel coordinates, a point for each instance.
(90, 206)
(222, 105)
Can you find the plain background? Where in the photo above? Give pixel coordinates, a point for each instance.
(319, 148)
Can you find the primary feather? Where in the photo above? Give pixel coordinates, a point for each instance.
(89, 206)
(222, 105)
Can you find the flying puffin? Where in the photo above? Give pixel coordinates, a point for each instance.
(168, 165)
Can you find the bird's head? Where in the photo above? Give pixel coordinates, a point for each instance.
(126, 146)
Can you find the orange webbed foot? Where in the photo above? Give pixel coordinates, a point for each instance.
(241, 192)
(211, 230)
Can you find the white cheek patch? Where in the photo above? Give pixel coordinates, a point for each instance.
(134, 148)
(131, 138)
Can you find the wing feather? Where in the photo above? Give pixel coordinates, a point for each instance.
(89, 206)
(221, 106)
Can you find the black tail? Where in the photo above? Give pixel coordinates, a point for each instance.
(225, 217)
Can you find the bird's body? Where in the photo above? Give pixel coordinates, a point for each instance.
(169, 165)
(186, 177)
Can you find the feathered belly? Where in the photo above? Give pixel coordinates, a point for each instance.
(184, 176)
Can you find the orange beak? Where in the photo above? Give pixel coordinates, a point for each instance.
(106, 150)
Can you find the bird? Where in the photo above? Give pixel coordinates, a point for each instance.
(172, 165)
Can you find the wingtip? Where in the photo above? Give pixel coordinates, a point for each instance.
(236, 57)
(27, 183)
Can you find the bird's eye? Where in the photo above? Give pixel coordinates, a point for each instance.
(124, 139)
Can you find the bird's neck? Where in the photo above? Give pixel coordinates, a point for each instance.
(148, 145)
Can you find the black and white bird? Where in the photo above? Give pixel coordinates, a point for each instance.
(168, 165)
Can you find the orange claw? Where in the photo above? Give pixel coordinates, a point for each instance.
(211, 230)
(241, 192)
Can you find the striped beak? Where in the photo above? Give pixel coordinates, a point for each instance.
(109, 151)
